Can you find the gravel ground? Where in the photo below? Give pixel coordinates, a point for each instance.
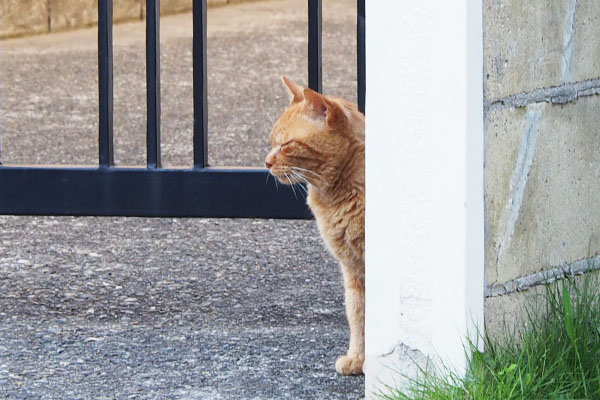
(119, 308)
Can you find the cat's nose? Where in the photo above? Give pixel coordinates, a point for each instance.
(272, 157)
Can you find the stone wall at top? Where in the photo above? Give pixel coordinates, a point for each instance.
(29, 17)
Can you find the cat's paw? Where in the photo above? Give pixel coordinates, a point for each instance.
(346, 365)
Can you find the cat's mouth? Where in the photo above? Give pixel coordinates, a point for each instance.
(286, 175)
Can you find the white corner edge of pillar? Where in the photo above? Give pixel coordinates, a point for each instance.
(424, 174)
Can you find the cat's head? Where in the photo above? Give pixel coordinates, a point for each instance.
(313, 139)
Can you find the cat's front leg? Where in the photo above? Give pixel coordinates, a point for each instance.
(352, 362)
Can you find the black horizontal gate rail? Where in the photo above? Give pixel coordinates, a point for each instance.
(142, 192)
(198, 191)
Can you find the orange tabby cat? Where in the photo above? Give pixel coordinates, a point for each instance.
(320, 140)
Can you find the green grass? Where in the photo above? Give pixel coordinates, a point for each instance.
(555, 355)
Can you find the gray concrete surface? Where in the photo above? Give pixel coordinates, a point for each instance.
(120, 308)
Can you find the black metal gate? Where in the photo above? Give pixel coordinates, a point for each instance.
(198, 191)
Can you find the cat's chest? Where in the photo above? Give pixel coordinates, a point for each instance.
(331, 222)
(337, 226)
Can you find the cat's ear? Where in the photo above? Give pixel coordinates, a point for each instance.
(295, 90)
(321, 107)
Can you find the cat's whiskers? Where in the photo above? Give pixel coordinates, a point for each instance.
(305, 188)
(298, 175)
(305, 178)
(315, 176)
(291, 184)
(302, 178)
(307, 170)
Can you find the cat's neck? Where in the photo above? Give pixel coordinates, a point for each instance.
(333, 197)
(349, 184)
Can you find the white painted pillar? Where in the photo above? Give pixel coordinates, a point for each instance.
(424, 210)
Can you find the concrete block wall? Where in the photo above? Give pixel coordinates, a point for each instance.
(28, 17)
(542, 147)
(23, 16)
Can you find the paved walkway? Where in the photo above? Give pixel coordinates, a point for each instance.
(126, 308)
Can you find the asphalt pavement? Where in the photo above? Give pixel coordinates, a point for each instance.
(142, 308)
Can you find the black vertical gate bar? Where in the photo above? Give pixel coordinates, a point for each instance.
(200, 86)
(105, 82)
(314, 45)
(153, 82)
(361, 54)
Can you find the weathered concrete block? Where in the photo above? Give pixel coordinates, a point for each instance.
(19, 17)
(212, 3)
(126, 10)
(509, 313)
(523, 45)
(542, 174)
(586, 46)
(175, 6)
(39, 16)
(171, 6)
(72, 14)
(534, 44)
